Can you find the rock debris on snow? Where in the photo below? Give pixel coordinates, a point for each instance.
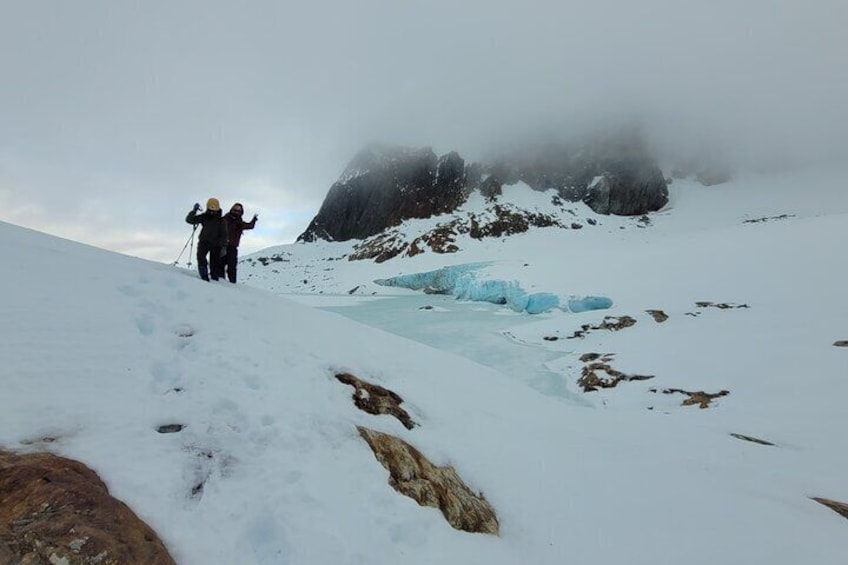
(376, 400)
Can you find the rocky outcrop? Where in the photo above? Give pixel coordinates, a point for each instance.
(630, 191)
(376, 400)
(415, 476)
(499, 221)
(839, 507)
(658, 315)
(700, 398)
(383, 186)
(720, 305)
(57, 510)
(612, 173)
(611, 323)
(592, 378)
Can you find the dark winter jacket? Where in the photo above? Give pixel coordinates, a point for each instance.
(214, 230)
(235, 226)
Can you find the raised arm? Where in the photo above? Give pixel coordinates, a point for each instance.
(193, 217)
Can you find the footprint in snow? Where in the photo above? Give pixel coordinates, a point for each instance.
(167, 377)
(145, 324)
(129, 290)
(184, 331)
(206, 465)
(252, 382)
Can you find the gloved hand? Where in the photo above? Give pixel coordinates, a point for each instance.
(255, 217)
(196, 206)
(223, 252)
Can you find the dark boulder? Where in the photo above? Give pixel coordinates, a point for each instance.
(627, 189)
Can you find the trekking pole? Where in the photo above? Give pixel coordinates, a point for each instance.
(191, 251)
(190, 240)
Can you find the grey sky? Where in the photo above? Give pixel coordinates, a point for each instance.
(116, 116)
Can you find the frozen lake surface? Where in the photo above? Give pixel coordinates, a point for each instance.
(478, 331)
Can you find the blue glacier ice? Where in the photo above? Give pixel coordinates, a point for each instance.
(440, 281)
(585, 303)
(462, 282)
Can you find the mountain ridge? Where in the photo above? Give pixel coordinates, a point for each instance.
(384, 185)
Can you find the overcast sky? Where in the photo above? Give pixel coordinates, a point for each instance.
(116, 116)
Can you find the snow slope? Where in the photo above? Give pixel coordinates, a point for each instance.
(98, 350)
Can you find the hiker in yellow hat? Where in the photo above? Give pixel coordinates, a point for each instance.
(212, 240)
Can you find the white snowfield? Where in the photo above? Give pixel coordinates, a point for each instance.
(98, 350)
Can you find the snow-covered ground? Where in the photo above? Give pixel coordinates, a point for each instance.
(98, 350)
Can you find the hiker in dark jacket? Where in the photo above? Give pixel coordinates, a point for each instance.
(235, 225)
(212, 240)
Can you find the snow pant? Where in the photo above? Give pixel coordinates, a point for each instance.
(231, 260)
(215, 261)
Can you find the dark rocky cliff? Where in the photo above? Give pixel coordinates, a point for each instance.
(382, 186)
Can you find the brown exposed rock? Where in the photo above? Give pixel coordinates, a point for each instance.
(590, 380)
(611, 323)
(393, 243)
(841, 343)
(701, 398)
(57, 510)
(381, 247)
(413, 249)
(658, 315)
(509, 222)
(441, 239)
(376, 400)
(589, 357)
(415, 476)
(839, 507)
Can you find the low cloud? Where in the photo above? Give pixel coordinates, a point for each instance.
(116, 117)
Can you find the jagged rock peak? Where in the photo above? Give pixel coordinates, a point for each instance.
(378, 157)
(384, 185)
